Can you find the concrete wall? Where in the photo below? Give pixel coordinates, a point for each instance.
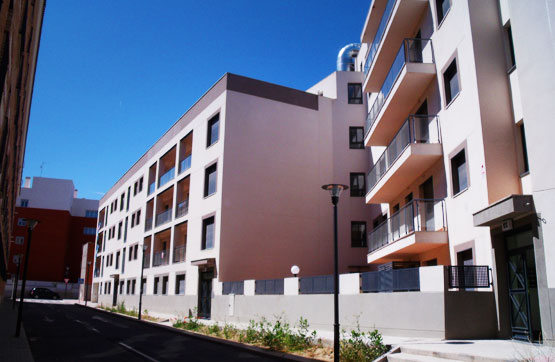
(60, 288)
(48, 193)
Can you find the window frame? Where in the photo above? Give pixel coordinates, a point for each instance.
(351, 100)
(356, 146)
(360, 243)
(205, 223)
(453, 60)
(209, 124)
(444, 14)
(357, 192)
(207, 174)
(460, 150)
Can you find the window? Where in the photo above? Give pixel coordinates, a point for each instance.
(143, 286)
(210, 178)
(132, 220)
(156, 282)
(525, 166)
(24, 203)
(135, 251)
(357, 184)
(89, 231)
(130, 257)
(117, 260)
(121, 287)
(358, 234)
(19, 240)
(208, 233)
(21, 222)
(115, 204)
(133, 284)
(451, 82)
(180, 284)
(356, 137)
(442, 7)
(355, 93)
(138, 217)
(91, 213)
(510, 47)
(213, 133)
(165, 285)
(122, 201)
(120, 226)
(128, 286)
(459, 172)
(135, 186)
(16, 259)
(140, 184)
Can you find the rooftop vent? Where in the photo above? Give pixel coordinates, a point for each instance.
(346, 57)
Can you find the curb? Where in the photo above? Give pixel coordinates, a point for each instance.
(237, 345)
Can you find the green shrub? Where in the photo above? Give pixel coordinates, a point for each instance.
(361, 346)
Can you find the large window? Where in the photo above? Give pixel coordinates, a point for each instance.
(442, 7)
(451, 82)
(358, 234)
(213, 133)
(91, 213)
(459, 173)
(208, 233)
(24, 203)
(89, 231)
(523, 149)
(355, 93)
(357, 184)
(356, 137)
(210, 178)
(180, 284)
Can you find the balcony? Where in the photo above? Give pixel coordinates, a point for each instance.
(416, 228)
(182, 208)
(160, 258)
(398, 20)
(151, 188)
(185, 164)
(410, 74)
(148, 224)
(179, 254)
(146, 260)
(164, 217)
(167, 177)
(413, 150)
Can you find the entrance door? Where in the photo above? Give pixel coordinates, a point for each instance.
(426, 207)
(523, 289)
(205, 293)
(115, 294)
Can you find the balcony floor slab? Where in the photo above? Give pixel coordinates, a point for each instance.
(412, 244)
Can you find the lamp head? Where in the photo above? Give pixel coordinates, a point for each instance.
(295, 270)
(335, 190)
(30, 223)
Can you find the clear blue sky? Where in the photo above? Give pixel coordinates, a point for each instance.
(113, 76)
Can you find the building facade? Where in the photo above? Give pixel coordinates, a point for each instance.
(66, 223)
(451, 86)
(21, 24)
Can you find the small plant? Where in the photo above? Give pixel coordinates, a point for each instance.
(229, 331)
(214, 329)
(361, 346)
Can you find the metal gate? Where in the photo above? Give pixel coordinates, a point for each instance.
(205, 294)
(519, 296)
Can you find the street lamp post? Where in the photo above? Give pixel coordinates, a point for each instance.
(30, 226)
(141, 281)
(14, 291)
(87, 281)
(335, 191)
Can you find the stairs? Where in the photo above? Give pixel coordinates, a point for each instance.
(419, 354)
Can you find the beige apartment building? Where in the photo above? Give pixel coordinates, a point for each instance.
(451, 87)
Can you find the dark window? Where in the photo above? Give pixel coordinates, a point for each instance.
(431, 262)
(180, 284)
(128, 198)
(357, 184)
(356, 137)
(524, 150)
(442, 7)
(140, 184)
(208, 233)
(408, 198)
(24, 203)
(395, 208)
(458, 172)
(510, 45)
(210, 178)
(135, 188)
(117, 260)
(165, 285)
(133, 284)
(451, 82)
(120, 226)
(213, 133)
(358, 234)
(156, 282)
(355, 93)
(378, 220)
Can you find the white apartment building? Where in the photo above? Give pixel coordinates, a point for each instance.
(451, 85)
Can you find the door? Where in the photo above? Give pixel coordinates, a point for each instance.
(422, 124)
(115, 290)
(426, 206)
(523, 288)
(205, 293)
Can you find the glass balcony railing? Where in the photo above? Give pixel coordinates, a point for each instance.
(151, 188)
(185, 164)
(411, 51)
(146, 260)
(182, 208)
(164, 217)
(148, 224)
(417, 215)
(373, 50)
(179, 254)
(167, 177)
(160, 258)
(416, 129)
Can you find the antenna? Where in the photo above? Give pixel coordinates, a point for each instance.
(42, 167)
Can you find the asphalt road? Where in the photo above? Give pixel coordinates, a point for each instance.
(61, 332)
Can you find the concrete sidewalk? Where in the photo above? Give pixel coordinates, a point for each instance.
(12, 349)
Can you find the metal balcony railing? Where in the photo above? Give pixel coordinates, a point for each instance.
(321, 284)
(151, 188)
(416, 129)
(237, 288)
(373, 49)
(148, 224)
(185, 164)
(269, 287)
(164, 217)
(146, 258)
(179, 254)
(167, 177)
(395, 280)
(161, 258)
(468, 276)
(182, 208)
(417, 215)
(412, 51)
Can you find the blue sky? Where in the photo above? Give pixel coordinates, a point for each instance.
(113, 76)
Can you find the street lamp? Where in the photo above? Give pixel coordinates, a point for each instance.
(14, 291)
(295, 270)
(87, 281)
(335, 191)
(30, 223)
(141, 281)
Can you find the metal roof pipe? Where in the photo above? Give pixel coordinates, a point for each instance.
(347, 56)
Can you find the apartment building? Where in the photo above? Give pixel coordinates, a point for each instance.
(21, 24)
(451, 87)
(66, 223)
(232, 191)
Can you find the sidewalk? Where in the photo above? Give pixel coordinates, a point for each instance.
(12, 349)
